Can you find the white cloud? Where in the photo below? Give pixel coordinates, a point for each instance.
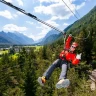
(12, 28)
(9, 1)
(48, 1)
(20, 2)
(35, 38)
(58, 10)
(56, 1)
(39, 27)
(45, 29)
(65, 24)
(15, 15)
(80, 6)
(6, 14)
(29, 22)
(54, 18)
(53, 23)
(19, 13)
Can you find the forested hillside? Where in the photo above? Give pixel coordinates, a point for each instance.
(19, 73)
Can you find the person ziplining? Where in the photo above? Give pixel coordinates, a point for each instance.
(67, 55)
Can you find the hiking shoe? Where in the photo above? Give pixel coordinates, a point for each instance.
(63, 83)
(41, 80)
(92, 86)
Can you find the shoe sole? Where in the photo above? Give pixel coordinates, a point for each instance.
(64, 84)
(93, 86)
(92, 78)
(40, 81)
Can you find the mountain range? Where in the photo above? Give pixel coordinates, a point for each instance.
(14, 38)
(51, 36)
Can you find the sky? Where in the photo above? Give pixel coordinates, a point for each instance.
(54, 12)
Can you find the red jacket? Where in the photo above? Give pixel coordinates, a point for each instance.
(67, 55)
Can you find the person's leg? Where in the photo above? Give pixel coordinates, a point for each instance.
(63, 82)
(51, 68)
(48, 72)
(64, 67)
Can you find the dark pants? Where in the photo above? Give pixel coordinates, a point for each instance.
(57, 63)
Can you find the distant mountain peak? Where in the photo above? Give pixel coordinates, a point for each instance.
(15, 38)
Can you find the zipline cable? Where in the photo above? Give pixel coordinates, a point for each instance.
(70, 9)
(30, 15)
(76, 10)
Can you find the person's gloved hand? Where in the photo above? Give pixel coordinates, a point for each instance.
(78, 56)
(70, 35)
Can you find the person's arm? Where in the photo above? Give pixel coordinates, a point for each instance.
(77, 59)
(68, 42)
(66, 47)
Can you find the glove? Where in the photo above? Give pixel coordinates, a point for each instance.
(78, 56)
(70, 35)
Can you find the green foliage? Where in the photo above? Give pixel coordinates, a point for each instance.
(22, 81)
(14, 92)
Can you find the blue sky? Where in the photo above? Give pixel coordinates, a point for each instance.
(54, 12)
